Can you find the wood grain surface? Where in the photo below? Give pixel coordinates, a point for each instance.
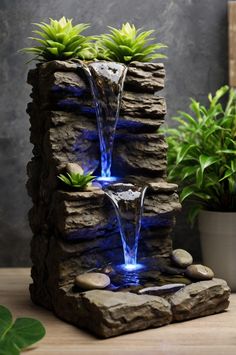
(204, 336)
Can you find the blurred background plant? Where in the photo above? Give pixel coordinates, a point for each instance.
(202, 154)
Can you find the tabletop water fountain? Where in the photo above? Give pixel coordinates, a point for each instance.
(102, 256)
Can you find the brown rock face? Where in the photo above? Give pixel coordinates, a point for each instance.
(109, 314)
(200, 299)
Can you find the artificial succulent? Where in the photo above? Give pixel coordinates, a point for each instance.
(76, 180)
(61, 40)
(128, 44)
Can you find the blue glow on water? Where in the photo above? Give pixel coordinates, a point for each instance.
(128, 200)
(106, 81)
(107, 180)
(131, 267)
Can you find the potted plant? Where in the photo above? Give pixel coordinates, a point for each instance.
(202, 159)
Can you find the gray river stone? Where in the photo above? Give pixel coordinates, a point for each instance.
(92, 280)
(182, 258)
(74, 168)
(199, 272)
(108, 314)
(200, 299)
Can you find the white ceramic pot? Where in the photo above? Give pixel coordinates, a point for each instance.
(218, 241)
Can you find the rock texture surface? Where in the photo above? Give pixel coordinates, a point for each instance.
(109, 314)
(200, 299)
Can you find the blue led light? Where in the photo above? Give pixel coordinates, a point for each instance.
(132, 267)
(107, 180)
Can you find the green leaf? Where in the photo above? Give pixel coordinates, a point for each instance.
(199, 177)
(53, 51)
(23, 333)
(226, 151)
(8, 348)
(128, 44)
(79, 181)
(207, 171)
(61, 40)
(227, 174)
(186, 192)
(5, 321)
(206, 161)
(183, 152)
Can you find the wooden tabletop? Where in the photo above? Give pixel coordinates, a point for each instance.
(204, 336)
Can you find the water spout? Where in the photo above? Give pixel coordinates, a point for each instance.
(106, 80)
(128, 200)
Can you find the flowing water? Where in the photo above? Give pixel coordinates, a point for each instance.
(106, 80)
(128, 200)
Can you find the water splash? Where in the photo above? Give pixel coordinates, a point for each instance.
(128, 200)
(106, 80)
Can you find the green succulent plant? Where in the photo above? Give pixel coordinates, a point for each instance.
(128, 44)
(78, 181)
(61, 40)
(202, 154)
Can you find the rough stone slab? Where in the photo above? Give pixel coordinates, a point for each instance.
(141, 154)
(162, 186)
(88, 214)
(142, 105)
(109, 314)
(141, 77)
(132, 105)
(139, 125)
(80, 214)
(136, 154)
(145, 77)
(156, 204)
(66, 259)
(200, 299)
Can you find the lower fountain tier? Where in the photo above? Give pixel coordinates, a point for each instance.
(115, 311)
(106, 313)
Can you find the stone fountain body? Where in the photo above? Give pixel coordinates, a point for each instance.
(77, 231)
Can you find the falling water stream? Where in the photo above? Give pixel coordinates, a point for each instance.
(127, 200)
(106, 81)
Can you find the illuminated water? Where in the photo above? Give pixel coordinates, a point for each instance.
(106, 80)
(128, 200)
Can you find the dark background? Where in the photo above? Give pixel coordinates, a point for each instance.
(196, 33)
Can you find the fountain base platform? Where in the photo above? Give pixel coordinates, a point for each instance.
(154, 295)
(107, 314)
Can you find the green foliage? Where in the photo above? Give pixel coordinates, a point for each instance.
(78, 181)
(128, 44)
(61, 40)
(202, 153)
(17, 336)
